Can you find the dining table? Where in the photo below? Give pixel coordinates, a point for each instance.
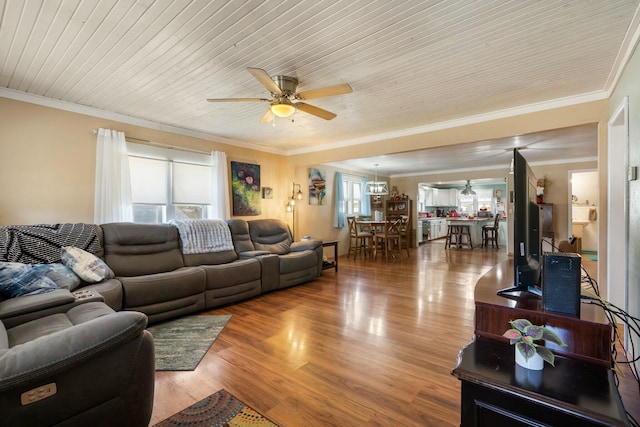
(374, 226)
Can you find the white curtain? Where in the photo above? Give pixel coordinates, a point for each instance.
(113, 201)
(220, 207)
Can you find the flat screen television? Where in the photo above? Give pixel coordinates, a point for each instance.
(526, 231)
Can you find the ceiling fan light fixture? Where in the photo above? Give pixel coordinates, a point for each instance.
(283, 108)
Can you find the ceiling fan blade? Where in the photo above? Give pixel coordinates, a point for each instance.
(263, 77)
(238, 100)
(319, 112)
(322, 92)
(268, 116)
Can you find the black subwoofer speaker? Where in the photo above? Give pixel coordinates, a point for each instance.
(561, 282)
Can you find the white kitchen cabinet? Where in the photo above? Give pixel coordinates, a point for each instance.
(438, 228)
(453, 197)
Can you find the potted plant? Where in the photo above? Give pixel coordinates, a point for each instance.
(529, 354)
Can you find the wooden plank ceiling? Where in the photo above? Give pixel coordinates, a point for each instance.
(410, 63)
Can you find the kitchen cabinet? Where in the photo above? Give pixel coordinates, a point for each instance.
(445, 197)
(438, 228)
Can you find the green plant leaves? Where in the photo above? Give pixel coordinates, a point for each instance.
(524, 334)
(551, 336)
(520, 324)
(546, 354)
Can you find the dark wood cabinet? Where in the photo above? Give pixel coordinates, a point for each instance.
(401, 207)
(579, 391)
(497, 392)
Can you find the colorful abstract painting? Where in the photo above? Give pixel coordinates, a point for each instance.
(245, 186)
(317, 183)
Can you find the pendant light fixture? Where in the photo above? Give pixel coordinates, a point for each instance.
(467, 190)
(375, 187)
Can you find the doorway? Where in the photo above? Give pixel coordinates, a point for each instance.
(584, 212)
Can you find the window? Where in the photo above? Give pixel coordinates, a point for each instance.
(168, 184)
(353, 193)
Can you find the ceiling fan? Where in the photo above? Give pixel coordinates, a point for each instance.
(285, 98)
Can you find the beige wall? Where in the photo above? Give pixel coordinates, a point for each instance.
(47, 160)
(592, 112)
(47, 163)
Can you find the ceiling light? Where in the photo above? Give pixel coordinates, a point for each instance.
(283, 108)
(375, 187)
(467, 190)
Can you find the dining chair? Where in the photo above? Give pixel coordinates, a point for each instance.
(490, 233)
(404, 234)
(389, 239)
(359, 241)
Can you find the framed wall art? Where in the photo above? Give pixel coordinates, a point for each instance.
(317, 184)
(245, 188)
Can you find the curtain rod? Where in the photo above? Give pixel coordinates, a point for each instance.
(159, 144)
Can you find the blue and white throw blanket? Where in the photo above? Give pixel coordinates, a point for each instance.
(201, 236)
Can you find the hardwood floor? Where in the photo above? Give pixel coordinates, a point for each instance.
(373, 344)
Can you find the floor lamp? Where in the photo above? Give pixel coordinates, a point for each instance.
(291, 205)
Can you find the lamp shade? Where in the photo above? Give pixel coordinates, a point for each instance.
(283, 109)
(467, 190)
(377, 188)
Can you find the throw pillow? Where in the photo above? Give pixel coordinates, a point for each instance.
(17, 279)
(87, 266)
(62, 275)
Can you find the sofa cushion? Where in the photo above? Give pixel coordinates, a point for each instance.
(62, 275)
(211, 258)
(17, 279)
(139, 249)
(88, 267)
(240, 235)
(140, 291)
(271, 235)
(227, 275)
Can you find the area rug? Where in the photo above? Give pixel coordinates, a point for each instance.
(221, 409)
(182, 343)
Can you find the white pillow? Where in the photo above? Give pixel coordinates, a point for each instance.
(87, 266)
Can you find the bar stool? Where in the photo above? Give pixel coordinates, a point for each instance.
(452, 234)
(464, 237)
(490, 233)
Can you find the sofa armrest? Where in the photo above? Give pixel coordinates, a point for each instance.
(31, 303)
(48, 355)
(306, 244)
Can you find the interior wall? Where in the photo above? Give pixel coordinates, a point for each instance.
(47, 163)
(628, 85)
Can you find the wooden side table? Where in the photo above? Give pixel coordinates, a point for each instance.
(331, 264)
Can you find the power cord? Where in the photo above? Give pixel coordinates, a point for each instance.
(613, 312)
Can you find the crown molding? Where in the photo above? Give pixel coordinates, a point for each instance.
(123, 118)
(465, 121)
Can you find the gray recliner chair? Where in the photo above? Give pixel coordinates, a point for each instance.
(84, 366)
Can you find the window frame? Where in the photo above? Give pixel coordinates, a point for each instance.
(349, 202)
(171, 157)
